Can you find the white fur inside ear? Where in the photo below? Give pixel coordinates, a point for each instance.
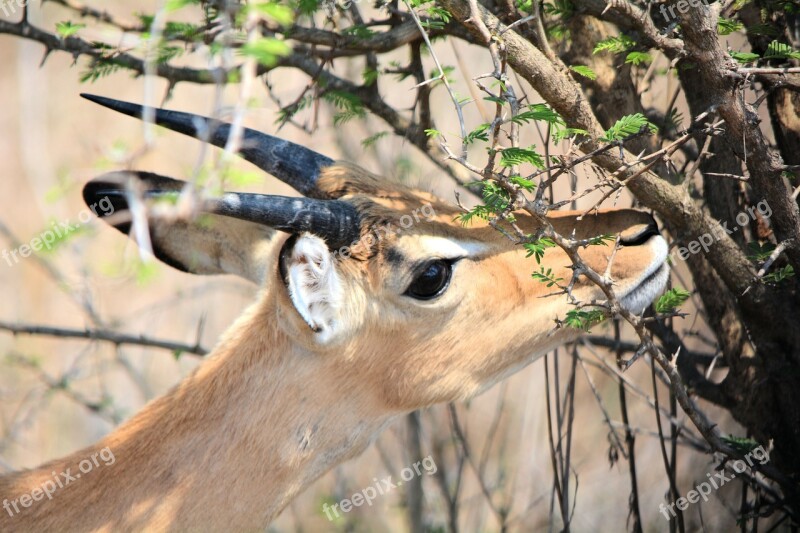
(314, 286)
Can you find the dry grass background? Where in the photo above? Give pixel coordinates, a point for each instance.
(52, 141)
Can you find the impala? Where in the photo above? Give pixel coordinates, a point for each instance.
(341, 340)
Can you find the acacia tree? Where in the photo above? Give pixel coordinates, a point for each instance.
(721, 179)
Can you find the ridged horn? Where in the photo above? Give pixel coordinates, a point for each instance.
(335, 221)
(291, 163)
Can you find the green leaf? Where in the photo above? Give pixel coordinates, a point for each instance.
(99, 68)
(370, 76)
(522, 183)
(146, 271)
(562, 133)
(175, 5)
(59, 190)
(778, 50)
(169, 197)
(372, 139)
(282, 14)
(557, 31)
(601, 240)
(433, 133)
(627, 126)
(479, 133)
(744, 57)
(67, 29)
(349, 106)
(584, 71)
(579, 319)
(638, 58)
(307, 7)
(432, 24)
(511, 157)
(343, 100)
(671, 300)
(440, 13)
(266, 50)
(741, 444)
(560, 8)
(728, 26)
(55, 236)
(537, 248)
(173, 30)
(789, 6)
(165, 53)
(541, 112)
(546, 276)
(359, 31)
(780, 274)
(346, 116)
(614, 45)
(494, 196)
(759, 252)
(242, 178)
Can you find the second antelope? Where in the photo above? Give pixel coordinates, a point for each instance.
(340, 341)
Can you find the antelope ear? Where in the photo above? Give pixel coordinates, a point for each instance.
(314, 286)
(213, 244)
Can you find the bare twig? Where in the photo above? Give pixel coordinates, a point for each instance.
(103, 335)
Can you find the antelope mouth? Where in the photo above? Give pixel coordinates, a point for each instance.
(651, 282)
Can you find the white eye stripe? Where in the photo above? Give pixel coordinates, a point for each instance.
(449, 248)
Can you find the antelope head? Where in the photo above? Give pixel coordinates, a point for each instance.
(375, 301)
(384, 278)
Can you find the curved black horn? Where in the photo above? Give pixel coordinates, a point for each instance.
(291, 163)
(336, 221)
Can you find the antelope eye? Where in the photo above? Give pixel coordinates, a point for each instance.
(431, 281)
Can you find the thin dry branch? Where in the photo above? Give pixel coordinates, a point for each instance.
(79, 47)
(103, 335)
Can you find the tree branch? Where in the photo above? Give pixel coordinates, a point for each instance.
(103, 335)
(77, 47)
(556, 87)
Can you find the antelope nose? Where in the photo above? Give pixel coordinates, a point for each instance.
(640, 234)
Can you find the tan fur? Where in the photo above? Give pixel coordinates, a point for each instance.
(272, 409)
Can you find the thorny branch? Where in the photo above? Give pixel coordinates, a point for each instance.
(102, 335)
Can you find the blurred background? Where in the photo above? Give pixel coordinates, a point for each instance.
(59, 394)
